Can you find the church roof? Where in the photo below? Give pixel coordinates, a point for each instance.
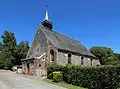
(63, 42)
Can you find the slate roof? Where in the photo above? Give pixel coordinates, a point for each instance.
(61, 41)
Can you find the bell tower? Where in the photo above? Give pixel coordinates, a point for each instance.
(47, 23)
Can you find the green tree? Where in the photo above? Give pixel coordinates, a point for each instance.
(105, 55)
(9, 42)
(2, 61)
(22, 50)
(11, 53)
(9, 48)
(117, 57)
(0, 46)
(23, 47)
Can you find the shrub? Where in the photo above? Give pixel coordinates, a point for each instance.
(97, 77)
(50, 76)
(53, 67)
(57, 76)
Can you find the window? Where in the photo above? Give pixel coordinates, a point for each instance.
(82, 60)
(91, 61)
(39, 65)
(52, 55)
(43, 59)
(69, 58)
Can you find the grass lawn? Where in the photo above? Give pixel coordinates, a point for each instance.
(63, 84)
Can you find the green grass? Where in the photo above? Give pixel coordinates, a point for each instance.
(63, 84)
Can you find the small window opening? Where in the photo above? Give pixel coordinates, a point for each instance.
(91, 61)
(82, 60)
(43, 59)
(39, 65)
(69, 58)
(51, 55)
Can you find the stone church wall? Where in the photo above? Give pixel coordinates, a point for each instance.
(76, 60)
(62, 59)
(87, 61)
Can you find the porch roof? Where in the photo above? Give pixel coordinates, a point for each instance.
(28, 59)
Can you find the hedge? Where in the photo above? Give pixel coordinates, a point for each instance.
(99, 77)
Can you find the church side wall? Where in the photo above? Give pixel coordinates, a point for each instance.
(62, 59)
(87, 61)
(76, 60)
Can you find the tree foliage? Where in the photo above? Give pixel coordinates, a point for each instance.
(0, 46)
(8, 48)
(105, 55)
(10, 52)
(22, 50)
(3, 62)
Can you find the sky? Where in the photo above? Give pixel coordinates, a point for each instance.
(93, 22)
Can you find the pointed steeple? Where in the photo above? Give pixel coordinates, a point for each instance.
(46, 16)
(47, 23)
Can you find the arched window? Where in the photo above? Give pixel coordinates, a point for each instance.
(52, 54)
(69, 58)
(82, 60)
(91, 61)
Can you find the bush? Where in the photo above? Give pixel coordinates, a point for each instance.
(53, 67)
(50, 76)
(98, 77)
(57, 76)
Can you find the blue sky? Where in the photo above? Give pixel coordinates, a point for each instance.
(93, 22)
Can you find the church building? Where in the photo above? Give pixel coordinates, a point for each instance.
(49, 47)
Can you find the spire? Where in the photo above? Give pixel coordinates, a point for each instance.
(46, 16)
(47, 23)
